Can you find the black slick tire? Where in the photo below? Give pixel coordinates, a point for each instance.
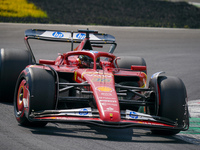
(40, 85)
(12, 62)
(173, 103)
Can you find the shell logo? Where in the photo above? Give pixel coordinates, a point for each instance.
(104, 89)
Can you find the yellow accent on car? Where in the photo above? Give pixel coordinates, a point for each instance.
(104, 89)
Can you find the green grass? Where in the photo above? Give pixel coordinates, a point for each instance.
(194, 126)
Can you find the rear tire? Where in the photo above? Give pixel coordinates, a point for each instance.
(173, 103)
(127, 61)
(12, 62)
(36, 87)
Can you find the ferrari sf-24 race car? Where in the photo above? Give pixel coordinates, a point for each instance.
(90, 86)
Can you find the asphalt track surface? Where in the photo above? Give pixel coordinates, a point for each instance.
(175, 51)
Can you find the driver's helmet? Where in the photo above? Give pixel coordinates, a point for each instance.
(85, 61)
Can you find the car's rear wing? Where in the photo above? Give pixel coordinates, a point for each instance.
(67, 36)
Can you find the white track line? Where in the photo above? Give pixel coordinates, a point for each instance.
(194, 108)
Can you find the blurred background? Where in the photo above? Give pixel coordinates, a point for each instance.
(143, 13)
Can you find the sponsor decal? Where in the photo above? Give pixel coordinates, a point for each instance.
(52, 117)
(83, 112)
(153, 123)
(80, 79)
(109, 104)
(104, 89)
(80, 36)
(93, 51)
(109, 109)
(133, 115)
(97, 79)
(58, 34)
(106, 94)
(107, 98)
(136, 115)
(109, 101)
(73, 63)
(97, 74)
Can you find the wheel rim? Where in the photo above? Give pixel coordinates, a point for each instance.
(20, 96)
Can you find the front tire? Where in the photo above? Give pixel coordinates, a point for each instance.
(173, 103)
(35, 91)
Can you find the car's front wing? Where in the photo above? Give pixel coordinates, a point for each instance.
(90, 116)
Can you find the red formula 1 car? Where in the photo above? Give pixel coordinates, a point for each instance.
(91, 87)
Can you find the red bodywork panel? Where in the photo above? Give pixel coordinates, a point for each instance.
(103, 87)
(102, 82)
